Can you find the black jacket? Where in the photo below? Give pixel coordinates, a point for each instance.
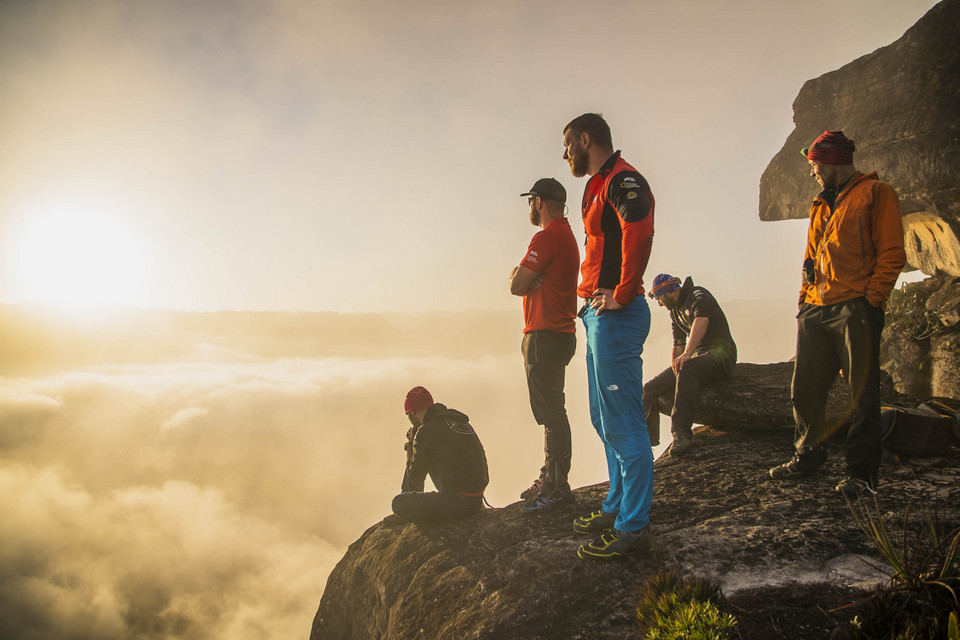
(447, 448)
(696, 302)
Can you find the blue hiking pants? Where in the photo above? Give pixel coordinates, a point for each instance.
(615, 378)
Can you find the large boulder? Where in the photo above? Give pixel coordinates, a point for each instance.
(921, 340)
(717, 513)
(901, 105)
(757, 396)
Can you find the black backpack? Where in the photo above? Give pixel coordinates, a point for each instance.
(924, 431)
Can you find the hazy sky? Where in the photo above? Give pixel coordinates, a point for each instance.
(369, 156)
(199, 477)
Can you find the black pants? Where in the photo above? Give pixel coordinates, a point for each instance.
(683, 391)
(546, 355)
(436, 507)
(845, 335)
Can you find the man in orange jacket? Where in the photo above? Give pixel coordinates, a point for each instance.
(853, 257)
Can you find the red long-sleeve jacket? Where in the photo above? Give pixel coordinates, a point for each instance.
(618, 221)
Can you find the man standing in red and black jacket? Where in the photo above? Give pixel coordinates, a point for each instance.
(618, 221)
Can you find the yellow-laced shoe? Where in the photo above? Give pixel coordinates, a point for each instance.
(617, 544)
(595, 522)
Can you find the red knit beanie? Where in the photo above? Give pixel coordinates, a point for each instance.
(417, 398)
(832, 147)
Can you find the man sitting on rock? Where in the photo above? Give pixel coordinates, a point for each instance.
(440, 443)
(703, 351)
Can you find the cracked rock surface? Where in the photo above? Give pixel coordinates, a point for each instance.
(716, 512)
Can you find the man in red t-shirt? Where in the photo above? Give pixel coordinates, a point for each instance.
(547, 280)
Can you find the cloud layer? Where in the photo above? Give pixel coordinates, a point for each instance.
(211, 500)
(183, 475)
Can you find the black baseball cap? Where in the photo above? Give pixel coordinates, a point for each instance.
(548, 189)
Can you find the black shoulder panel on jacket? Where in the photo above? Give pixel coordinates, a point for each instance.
(629, 193)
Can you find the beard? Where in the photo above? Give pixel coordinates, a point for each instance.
(668, 301)
(415, 421)
(534, 217)
(579, 163)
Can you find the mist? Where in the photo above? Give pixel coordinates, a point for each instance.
(210, 494)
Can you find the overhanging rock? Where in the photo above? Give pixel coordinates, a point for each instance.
(901, 105)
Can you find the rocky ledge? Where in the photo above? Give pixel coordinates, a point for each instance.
(787, 554)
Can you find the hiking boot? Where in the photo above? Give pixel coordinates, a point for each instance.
(679, 446)
(617, 544)
(393, 520)
(852, 488)
(540, 503)
(800, 465)
(596, 522)
(533, 490)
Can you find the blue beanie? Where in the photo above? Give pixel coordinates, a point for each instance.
(664, 283)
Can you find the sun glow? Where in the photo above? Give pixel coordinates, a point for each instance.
(80, 257)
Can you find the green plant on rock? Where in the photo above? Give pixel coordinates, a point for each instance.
(672, 607)
(921, 601)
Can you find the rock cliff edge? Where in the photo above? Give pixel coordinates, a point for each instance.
(505, 575)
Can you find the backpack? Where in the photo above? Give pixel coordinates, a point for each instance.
(924, 431)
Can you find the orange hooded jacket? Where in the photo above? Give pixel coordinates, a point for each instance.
(858, 249)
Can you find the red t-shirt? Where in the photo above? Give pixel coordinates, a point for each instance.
(554, 255)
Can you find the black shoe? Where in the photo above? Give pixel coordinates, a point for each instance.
(533, 490)
(853, 488)
(536, 504)
(800, 465)
(393, 520)
(679, 446)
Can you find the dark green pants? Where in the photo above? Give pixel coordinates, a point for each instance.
(683, 391)
(546, 355)
(845, 335)
(436, 507)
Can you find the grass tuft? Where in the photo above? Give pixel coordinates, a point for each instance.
(672, 607)
(921, 601)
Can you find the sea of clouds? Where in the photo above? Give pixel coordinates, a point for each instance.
(208, 494)
(212, 499)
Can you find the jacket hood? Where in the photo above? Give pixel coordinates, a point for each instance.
(440, 411)
(686, 288)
